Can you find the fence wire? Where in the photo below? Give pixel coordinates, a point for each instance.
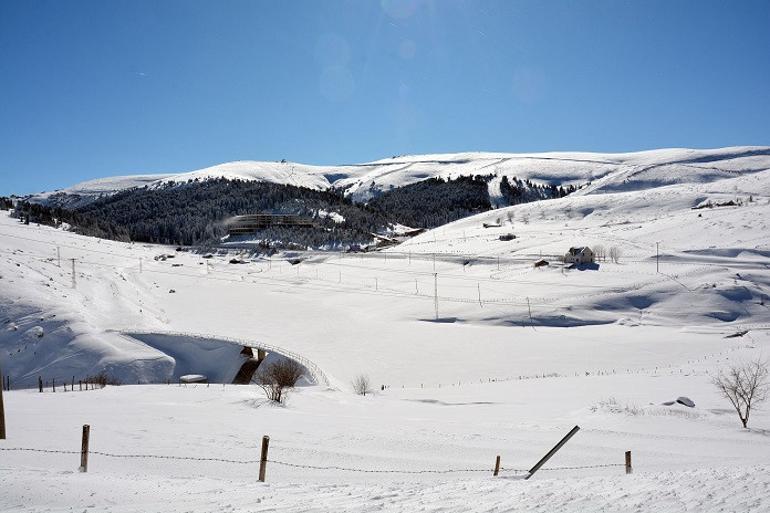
(309, 467)
(132, 456)
(382, 471)
(581, 467)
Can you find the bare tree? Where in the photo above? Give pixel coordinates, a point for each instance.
(362, 385)
(745, 386)
(615, 254)
(600, 253)
(277, 377)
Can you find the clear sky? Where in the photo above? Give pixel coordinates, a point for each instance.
(107, 87)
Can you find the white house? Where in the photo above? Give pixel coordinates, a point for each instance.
(581, 255)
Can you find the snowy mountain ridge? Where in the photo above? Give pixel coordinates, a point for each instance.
(604, 171)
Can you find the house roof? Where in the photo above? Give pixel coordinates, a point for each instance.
(578, 250)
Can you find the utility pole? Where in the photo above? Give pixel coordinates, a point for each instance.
(657, 257)
(529, 308)
(58, 256)
(74, 284)
(2, 410)
(435, 292)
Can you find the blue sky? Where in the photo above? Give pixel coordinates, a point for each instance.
(98, 88)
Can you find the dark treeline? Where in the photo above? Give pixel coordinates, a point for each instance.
(524, 191)
(5, 203)
(195, 213)
(435, 201)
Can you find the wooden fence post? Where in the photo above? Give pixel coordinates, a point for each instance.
(84, 448)
(40, 384)
(553, 451)
(629, 468)
(497, 466)
(53, 384)
(263, 458)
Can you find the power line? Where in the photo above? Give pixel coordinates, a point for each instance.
(324, 285)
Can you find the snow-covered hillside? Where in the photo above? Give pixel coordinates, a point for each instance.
(565, 168)
(287, 173)
(711, 278)
(712, 263)
(90, 190)
(482, 354)
(604, 171)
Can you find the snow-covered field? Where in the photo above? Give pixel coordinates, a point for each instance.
(483, 354)
(685, 459)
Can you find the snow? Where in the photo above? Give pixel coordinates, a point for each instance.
(684, 459)
(606, 172)
(372, 312)
(334, 216)
(564, 168)
(287, 173)
(193, 378)
(664, 492)
(105, 186)
(517, 356)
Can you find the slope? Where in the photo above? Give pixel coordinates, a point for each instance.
(363, 181)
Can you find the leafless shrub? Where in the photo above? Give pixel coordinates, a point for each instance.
(611, 405)
(362, 385)
(600, 253)
(615, 254)
(745, 386)
(102, 379)
(277, 377)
